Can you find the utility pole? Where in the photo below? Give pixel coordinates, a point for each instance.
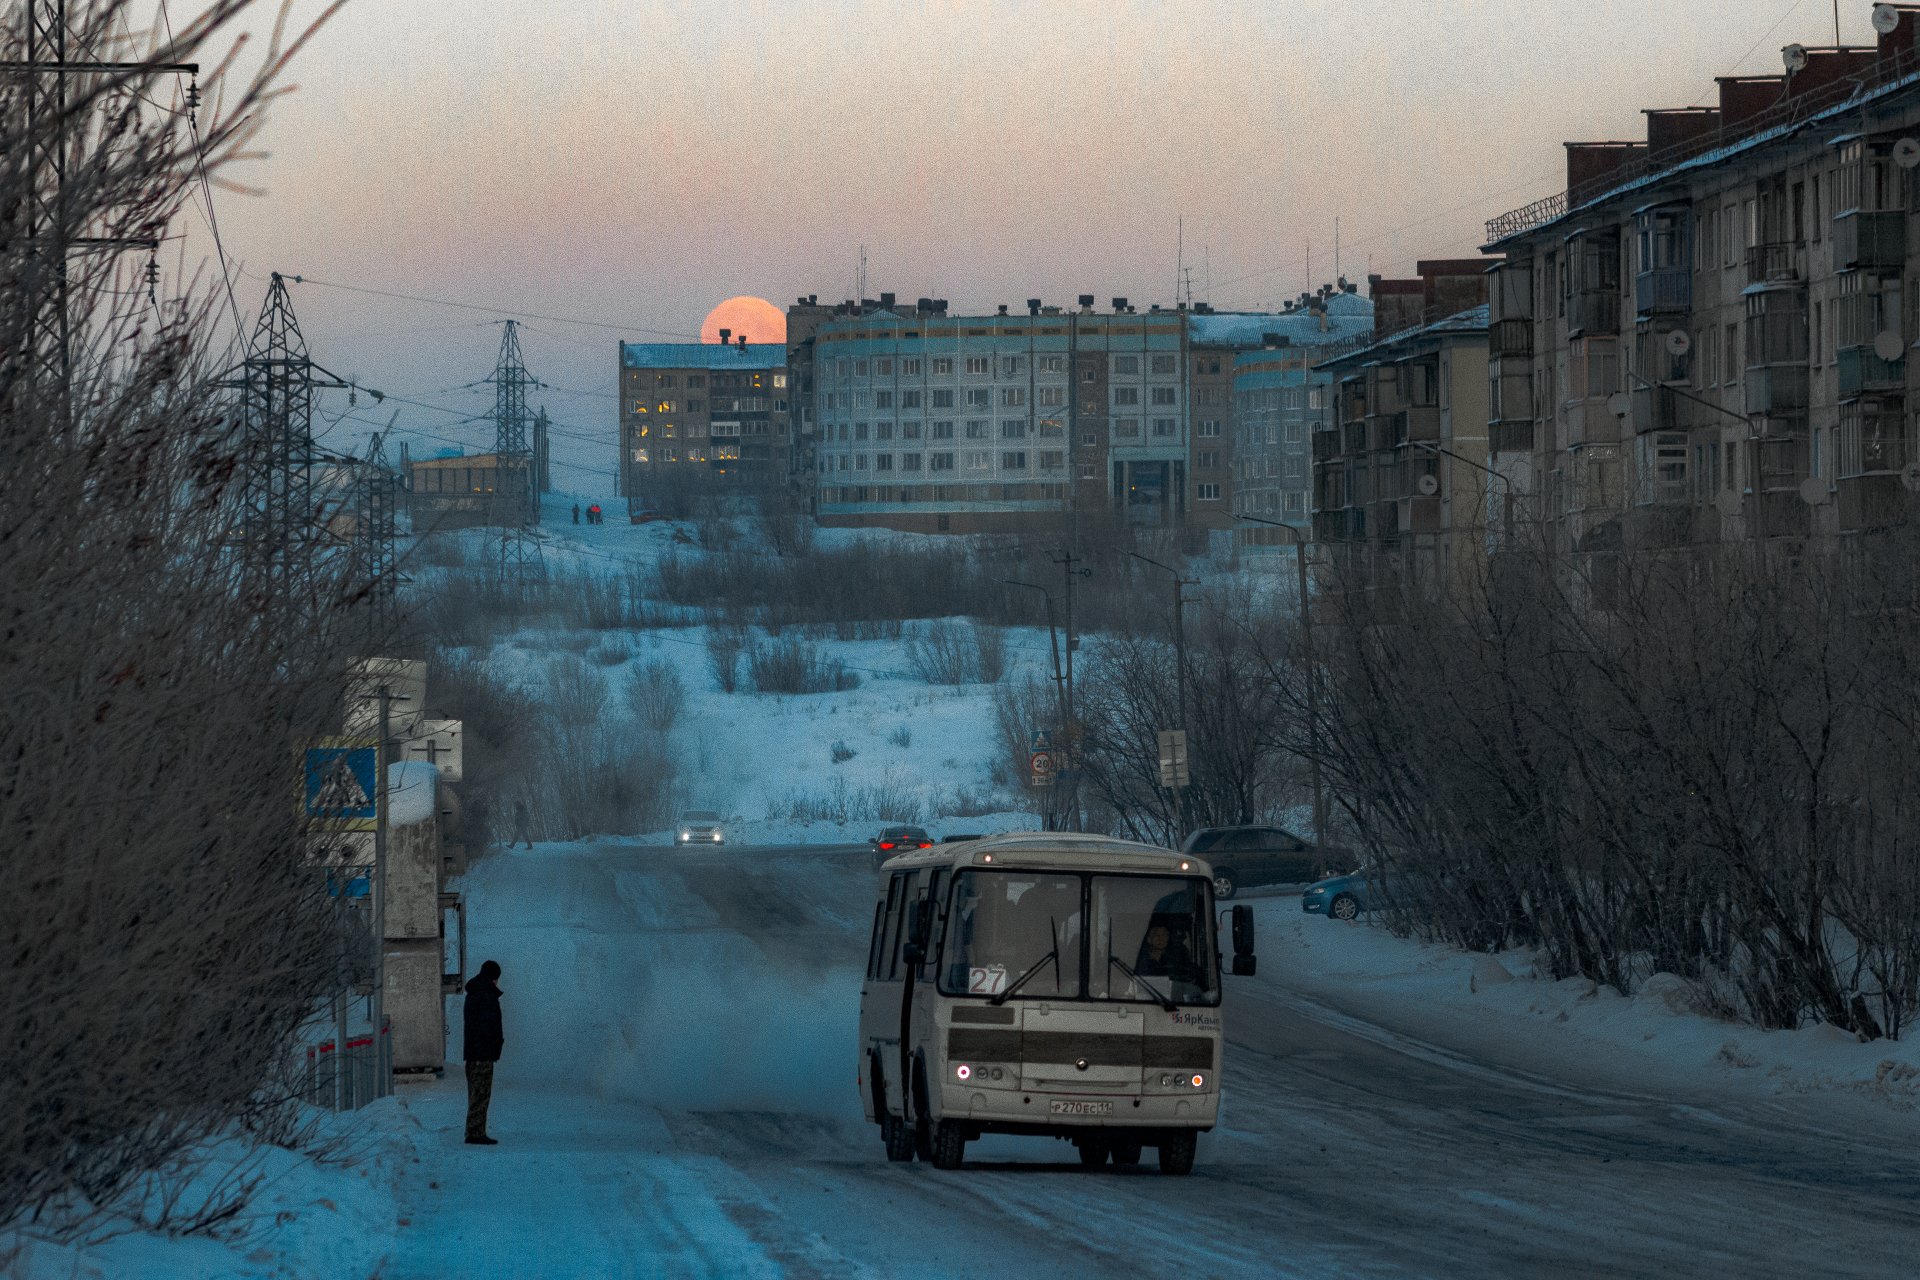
(47, 214)
(1312, 676)
(1067, 560)
(1180, 585)
(374, 534)
(1059, 683)
(377, 1008)
(515, 505)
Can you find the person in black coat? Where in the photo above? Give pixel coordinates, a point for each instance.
(482, 1042)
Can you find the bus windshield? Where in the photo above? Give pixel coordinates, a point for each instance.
(1024, 935)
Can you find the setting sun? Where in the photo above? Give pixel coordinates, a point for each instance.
(757, 318)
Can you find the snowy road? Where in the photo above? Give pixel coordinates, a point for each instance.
(677, 1098)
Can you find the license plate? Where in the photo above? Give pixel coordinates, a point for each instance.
(1063, 1108)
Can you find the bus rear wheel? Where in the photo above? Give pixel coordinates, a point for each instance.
(898, 1135)
(1176, 1152)
(949, 1144)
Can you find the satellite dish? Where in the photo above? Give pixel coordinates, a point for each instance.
(1619, 404)
(1906, 153)
(1889, 346)
(1910, 477)
(1885, 19)
(1679, 343)
(1813, 490)
(1795, 56)
(1427, 485)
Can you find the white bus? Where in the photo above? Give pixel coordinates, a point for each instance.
(1049, 984)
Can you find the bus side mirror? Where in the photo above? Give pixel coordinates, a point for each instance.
(920, 924)
(1244, 962)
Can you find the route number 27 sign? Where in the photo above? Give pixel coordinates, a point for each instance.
(989, 980)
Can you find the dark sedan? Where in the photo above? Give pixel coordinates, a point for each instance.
(1246, 856)
(894, 840)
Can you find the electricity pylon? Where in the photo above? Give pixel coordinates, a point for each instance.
(376, 492)
(514, 509)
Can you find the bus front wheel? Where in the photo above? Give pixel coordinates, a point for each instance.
(1093, 1151)
(1176, 1152)
(949, 1144)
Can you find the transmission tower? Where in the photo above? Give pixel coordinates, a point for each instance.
(280, 535)
(515, 505)
(375, 496)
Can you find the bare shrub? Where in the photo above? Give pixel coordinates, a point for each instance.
(784, 523)
(501, 725)
(610, 652)
(943, 654)
(792, 664)
(893, 799)
(656, 694)
(163, 927)
(725, 645)
(841, 752)
(901, 737)
(576, 693)
(989, 652)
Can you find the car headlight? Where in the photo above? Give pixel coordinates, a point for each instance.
(686, 835)
(1318, 891)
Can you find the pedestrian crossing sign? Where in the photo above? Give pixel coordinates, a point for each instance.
(342, 787)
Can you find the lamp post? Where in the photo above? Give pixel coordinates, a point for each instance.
(1180, 585)
(1053, 639)
(1313, 705)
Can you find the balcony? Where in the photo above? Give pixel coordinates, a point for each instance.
(1353, 438)
(1326, 445)
(1510, 389)
(1334, 526)
(1869, 239)
(1778, 513)
(1860, 371)
(1420, 515)
(1665, 290)
(1776, 264)
(1663, 409)
(1593, 311)
(1777, 390)
(1590, 422)
(1510, 437)
(1872, 502)
(1510, 338)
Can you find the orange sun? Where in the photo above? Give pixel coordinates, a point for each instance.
(759, 319)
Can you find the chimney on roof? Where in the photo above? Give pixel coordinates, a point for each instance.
(886, 301)
(813, 299)
(743, 344)
(1352, 287)
(1033, 306)
(923, 304)
(1119, 305)
(1003, 308)
(1086, 302)
(726, 336)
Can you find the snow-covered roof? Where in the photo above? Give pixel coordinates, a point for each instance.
(702, 355)
(1472, 320)
(412, 787)
(1347, 315)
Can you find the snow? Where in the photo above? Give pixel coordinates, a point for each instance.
(1505, 1008)
(412, 786)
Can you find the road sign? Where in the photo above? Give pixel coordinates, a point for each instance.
(1173, 758)
(1042, 768)
(1042, 740)
(340, 848)
(342, 789)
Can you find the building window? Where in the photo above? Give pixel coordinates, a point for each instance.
(979, 397)
(1296, 503)
(1126, 395)
(939, 462)
(1126, 427)
(840, 367)
(1013, 429)
(1163, 426)
(941, 431)
(883, 399)
(1013, 460)
(1013, 397)
(909, 462)
(859, 430)
(639, 455)
(1294, 433)
(1206, 460)
(1209, 429)
(859, 368)
(977, 364)
(779, 380)
(1163, 395)
(861, 400)
(1089, 437)
(883, 462)
(909, 399)
(1207, 492)
(1053, 364)
(1052, 396)
(943, 398)
(910, 368)
(696, 381)
(909, 431)
(859, 462)
(883, 367)
(942, 367)
(979, 429)
(1163, 365)
(883, 431)
(1052, 459)
(1126, 365)
(1089, 472)
(1012, 366)
(979, 460)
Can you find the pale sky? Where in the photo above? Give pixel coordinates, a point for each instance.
(634, 164)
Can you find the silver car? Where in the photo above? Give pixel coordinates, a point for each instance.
(700, 826)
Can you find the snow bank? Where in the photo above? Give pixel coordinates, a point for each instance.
(1505, 1009)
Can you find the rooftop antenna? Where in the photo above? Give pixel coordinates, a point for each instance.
(860, 280)
(1336, 250)
(1180, 259)
(1206, 271)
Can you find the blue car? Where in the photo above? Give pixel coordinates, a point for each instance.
(1345, 897)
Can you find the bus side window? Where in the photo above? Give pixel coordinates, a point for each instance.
(936, 894)
(899, 902)
(884, 930)
(873, 943)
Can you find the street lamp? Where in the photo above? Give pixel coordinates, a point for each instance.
(1313, 714)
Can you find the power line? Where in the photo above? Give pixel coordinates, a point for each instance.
(489, 310)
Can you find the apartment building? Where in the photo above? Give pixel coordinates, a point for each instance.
(1704, 338)
(712, 412)
(1403, 495)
